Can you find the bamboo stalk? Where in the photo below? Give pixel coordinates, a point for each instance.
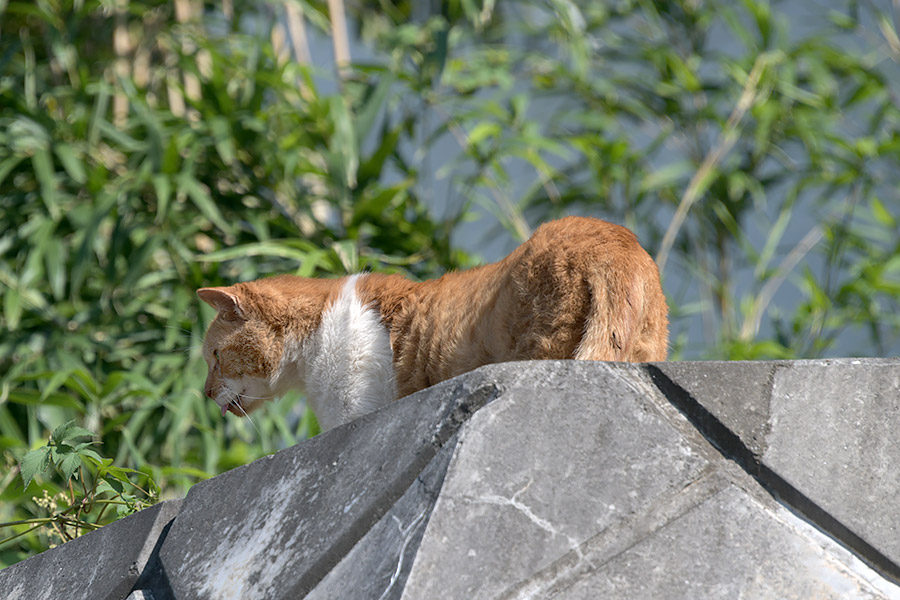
(122, 69)
(339, 36)
(186, 11)
(297, 29)
(279, 44)
(754, 317)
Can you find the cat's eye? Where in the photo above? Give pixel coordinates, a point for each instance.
(216, 355)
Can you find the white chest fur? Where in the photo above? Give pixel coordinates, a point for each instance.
(347, 362)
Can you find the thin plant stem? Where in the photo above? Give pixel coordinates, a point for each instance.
(21, 533)
(699, 182)
(751, 323)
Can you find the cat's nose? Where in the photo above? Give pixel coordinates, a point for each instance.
(208, 389)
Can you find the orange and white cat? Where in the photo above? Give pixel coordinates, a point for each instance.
(579, 288)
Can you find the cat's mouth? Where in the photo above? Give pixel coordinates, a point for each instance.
(234, 407)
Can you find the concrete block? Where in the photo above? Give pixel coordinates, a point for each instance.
(834, 439)
(731, 546)
(276, 527)
(566, 452)
(558, 479)
(379, 564)
(103, 564)
(737, 394)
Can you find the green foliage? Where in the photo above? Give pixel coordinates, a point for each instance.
(757, 163)
(109, 227)
(60, 452)
(79, 510)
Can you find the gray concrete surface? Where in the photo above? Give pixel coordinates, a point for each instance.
(278, 525)
(543, 480)
(594, 456)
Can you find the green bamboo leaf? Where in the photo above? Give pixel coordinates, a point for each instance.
(666, 176)
(199, 195)
(881, 214)
(34, 463)
(343, 147)
(56, 380)
(220, 128)
(163, 188)
(54, 264)
(268, 248)
(46, 177)
(12, 308)
(483, 131)
(372, 168)
(81, 380)
(83, 259)
(28, 397)
(137, 262)
(375, 105)
(8, 164)
(39, 231)
(71, 162)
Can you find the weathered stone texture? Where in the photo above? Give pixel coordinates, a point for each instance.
(555, 479)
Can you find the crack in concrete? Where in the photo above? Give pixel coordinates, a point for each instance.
(616, 539)
(406, 534)
(544, 524)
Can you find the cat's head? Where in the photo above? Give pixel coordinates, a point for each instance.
(243, 349)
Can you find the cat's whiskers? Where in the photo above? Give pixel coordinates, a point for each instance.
(234, 399)
(255, 397)
(241, 408)
(188, 349)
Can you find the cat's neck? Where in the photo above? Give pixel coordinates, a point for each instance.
(383, 334)
(345, 365)
(441, 327)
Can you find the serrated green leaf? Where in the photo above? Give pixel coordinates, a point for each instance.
(69, 465)
(70, 431)
(90, 454)
(34, 463)
(105, 486)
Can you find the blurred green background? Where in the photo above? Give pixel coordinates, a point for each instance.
(149, 148)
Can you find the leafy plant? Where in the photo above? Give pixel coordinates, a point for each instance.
(145, 154)
(79, 508)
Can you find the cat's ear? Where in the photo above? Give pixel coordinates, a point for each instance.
(224, 301)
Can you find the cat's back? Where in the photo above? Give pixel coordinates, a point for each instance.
(570, 237)
(586, 288)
